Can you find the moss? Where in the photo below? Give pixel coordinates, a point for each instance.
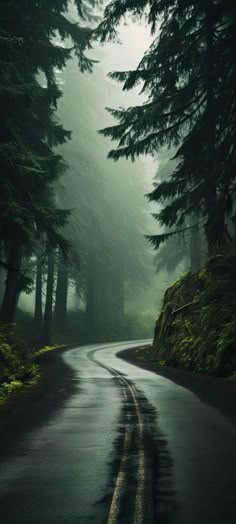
(196, 329)
(46, 349)
(18, 368)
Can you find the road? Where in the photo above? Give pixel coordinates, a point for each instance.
(106, 442)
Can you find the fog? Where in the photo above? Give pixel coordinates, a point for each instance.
(114, 290)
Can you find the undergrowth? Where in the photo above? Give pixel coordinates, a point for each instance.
(19, 368)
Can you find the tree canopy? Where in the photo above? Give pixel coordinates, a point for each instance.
(188, 79)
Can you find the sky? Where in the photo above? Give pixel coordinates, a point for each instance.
(135, 40)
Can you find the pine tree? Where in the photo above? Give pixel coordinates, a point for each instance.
(188, 76)
(31, 37)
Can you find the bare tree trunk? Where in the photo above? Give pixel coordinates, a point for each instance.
(195, 249)
(60, 313)
(211, 198)
(2, 283)
(93, 290)
(47, 325)
(12, 286)
(105, 295)
(38, 310)
(114, 290)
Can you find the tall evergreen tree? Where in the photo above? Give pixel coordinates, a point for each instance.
(188, 76)
(31, 36)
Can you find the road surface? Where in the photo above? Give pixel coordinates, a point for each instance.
(106, 442)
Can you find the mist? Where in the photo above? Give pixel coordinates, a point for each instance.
(113, 288)
(118, 261)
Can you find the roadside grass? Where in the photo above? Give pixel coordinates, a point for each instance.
(46, 349)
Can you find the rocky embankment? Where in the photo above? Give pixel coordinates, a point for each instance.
(196, 329)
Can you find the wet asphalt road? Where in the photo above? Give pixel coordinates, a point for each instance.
(106, 442)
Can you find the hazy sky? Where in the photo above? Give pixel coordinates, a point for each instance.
(135, 40)
(114, 57)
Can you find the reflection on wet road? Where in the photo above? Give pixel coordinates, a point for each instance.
(123, 446)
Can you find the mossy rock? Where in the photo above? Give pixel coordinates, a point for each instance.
(197, 326)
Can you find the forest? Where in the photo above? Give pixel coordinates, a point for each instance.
(105, 210)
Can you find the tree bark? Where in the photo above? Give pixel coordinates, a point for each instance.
(60, 313)
(47, 324)
(2, 283)
(38, 309)
(211, 198)
(12, 286)
(105, 295)
(195, 249)
(115, 288)
(94, 298)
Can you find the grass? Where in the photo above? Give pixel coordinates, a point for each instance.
(48, 349)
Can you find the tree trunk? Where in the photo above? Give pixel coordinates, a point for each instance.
(105, 295)
(114, 281)
(211, 198)
(12, 286)
(38, 310)
(195, 246)
(195, 251)
(47, 325)
(60, 312)
(2, 283)
(93, 310)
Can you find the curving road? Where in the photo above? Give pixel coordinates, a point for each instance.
(102, 441)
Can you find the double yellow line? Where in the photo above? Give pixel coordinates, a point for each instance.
(121, 477)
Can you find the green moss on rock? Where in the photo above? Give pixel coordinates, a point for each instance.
(196, 329)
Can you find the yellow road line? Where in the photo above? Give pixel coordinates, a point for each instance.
(116, 498)
(139, 499)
